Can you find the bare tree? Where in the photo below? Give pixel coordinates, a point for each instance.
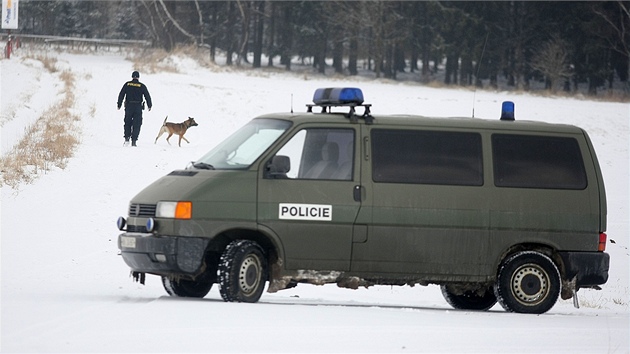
(619, 26)
(383, 20)
(551, 60)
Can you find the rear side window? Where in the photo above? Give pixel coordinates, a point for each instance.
(525, 161)
(427, 157)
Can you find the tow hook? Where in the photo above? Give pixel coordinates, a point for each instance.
(138, 277)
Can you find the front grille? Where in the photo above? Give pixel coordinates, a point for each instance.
(144, 210)
(137, 228)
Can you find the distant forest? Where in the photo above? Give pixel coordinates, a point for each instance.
(561, 44)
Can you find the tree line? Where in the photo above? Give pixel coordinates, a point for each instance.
(561, 44)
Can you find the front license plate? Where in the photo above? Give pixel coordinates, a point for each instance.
(127, 242)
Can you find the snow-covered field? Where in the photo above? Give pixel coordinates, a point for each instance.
(65, 289)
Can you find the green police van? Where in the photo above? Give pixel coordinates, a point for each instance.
(490, 210)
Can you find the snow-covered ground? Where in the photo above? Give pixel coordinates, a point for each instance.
(65, 289)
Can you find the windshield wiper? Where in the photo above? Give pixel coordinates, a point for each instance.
(202, 165)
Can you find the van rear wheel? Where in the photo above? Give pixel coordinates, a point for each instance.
(186, 288)
(242, 272)
(528, 282)
(480, 300)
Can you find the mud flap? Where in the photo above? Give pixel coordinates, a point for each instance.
(569, 290)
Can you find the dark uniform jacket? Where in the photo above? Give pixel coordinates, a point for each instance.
(134, 90)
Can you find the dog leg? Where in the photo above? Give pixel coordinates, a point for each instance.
(168, 137)
(159, 134)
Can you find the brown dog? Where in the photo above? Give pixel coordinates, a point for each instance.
(176, 128)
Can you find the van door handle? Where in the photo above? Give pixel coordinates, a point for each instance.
(357, 193)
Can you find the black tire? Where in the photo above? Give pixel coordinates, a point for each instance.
(481, 300)
(242, 272)
(186, 288)
(527, 282)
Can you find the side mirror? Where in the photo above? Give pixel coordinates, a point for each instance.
(278, 167)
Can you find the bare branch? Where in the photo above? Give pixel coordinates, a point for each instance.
(180, 28)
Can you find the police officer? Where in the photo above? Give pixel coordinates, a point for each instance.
(133, 90)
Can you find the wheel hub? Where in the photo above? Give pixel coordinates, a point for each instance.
(249, 275)
(530, 284)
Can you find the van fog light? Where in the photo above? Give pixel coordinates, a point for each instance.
(121, 223)
(160, 257)
(150, 224)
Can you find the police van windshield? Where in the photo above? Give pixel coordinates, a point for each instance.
(243, 147)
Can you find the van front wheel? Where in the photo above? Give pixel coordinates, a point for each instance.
(242, 272)
(528, 282)
(481, 300)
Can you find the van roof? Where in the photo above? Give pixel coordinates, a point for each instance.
(405, 120)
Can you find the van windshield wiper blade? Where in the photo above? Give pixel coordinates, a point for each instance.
(202, 165)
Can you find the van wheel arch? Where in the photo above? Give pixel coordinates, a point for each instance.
(547, 250)
(268, 244)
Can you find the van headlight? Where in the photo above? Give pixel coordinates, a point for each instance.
(174, 210)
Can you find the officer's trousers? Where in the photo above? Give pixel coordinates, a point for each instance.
(133, 121)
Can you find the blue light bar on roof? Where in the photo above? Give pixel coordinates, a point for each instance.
(507, 110)
(338, 96)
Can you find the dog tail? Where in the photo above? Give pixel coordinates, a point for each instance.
(165, 120)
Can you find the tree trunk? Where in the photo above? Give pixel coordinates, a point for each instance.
(414, 60)
(321, 67)
(448, 70)
(399, 59)
(215, 30)
(287, 37)
(466, 72)
(201, 37)
(353, 56)
(338, 56)
(258, 38)
(271, 33)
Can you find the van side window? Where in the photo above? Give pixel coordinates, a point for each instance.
(524, 161)
(427, 157)
(320, 154)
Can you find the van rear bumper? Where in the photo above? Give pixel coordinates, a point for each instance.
(589, 268)
(146, 253)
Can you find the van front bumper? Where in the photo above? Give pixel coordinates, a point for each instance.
(162, 255)
(588, 268)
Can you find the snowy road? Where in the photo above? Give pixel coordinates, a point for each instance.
(329, 320)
